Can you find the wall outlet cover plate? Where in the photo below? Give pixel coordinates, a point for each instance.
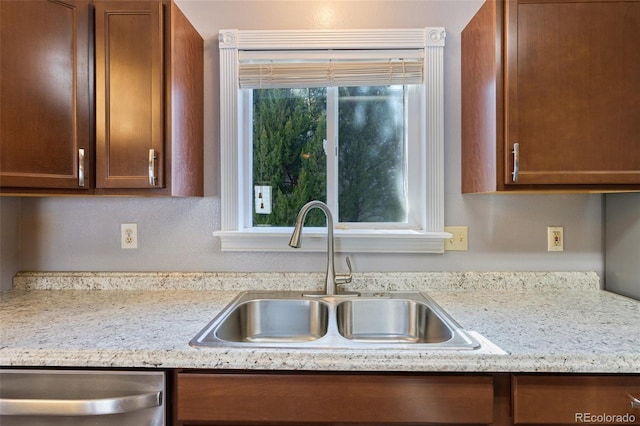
(459, 240)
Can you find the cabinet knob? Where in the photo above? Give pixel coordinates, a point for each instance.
(516, 161)
(81, 167)
(152, 167)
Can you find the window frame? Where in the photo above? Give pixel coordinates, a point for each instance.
(236, 232)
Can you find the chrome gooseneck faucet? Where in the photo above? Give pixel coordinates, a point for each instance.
(332, 280)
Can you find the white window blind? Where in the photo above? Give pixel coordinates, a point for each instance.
(324, 68)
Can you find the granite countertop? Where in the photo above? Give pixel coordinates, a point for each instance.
(528, 322)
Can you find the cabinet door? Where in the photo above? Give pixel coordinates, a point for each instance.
(283, 398)
(573, 91)
(573, 399)
(129, 94)
(44, 106)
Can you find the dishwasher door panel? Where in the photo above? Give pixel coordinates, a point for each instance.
(79, 398)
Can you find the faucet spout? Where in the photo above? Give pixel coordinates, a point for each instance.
(296, 241)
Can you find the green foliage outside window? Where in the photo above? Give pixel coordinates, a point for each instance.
(371, 172)
(289, 127)
(288, 155)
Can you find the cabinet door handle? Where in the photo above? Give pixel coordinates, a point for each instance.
(81, 167)
(152, 167)
(79, 407)
(516, 161)
(635, 402)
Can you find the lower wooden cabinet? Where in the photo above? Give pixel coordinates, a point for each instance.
(330, 398)
(208, 397)
(575, 399)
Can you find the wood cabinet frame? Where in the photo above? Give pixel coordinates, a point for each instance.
(178, 120)
(498, 110)
(230, 397)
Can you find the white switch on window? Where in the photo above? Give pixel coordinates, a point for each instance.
(262, 199)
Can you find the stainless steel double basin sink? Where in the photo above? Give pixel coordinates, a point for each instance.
(374, 320)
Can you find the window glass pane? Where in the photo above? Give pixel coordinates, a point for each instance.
(372, 154)
(289, 127)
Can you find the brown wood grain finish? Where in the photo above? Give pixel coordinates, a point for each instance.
(561, 79)
(179, 136)
(573, 399)
(481, 106)
(44, 81)
(330, 398)
(148, 94)
(129, 93)
(185, 93)
(574, 91)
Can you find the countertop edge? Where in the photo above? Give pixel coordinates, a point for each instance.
(238, 281)
(488, 363)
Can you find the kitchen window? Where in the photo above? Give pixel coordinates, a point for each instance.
(350, 117)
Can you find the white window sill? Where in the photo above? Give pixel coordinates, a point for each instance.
(346, 241)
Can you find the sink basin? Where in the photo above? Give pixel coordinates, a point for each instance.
(275, 321)
(367, 321)
(391, 320)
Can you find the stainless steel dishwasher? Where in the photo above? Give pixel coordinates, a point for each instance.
(79, 398)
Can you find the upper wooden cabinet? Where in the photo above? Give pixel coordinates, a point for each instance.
(129, 104)
(551, 96)
(45, 128)
(218, 397)
(149, 98)
(145, 111)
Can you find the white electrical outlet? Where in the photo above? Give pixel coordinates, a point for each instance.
(555, 238)
(459, 240)
(129, 235)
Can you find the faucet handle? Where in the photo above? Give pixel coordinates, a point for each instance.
(341, 279)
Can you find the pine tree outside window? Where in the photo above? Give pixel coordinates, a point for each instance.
(352, 118)
(291, 154)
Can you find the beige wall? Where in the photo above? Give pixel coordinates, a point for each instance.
(9, 250)
(622, 244)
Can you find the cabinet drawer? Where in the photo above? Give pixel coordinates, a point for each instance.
(575, 399)
(326, 397)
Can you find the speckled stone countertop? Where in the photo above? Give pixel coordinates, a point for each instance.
(528, 322)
